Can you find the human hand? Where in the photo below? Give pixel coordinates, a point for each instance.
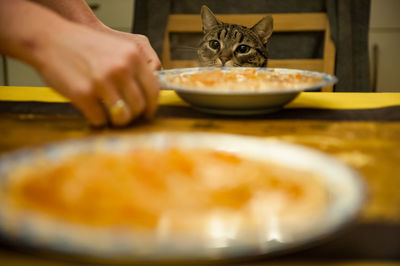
(105, 76)
(141, 40)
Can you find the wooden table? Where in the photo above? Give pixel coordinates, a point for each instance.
(368, 139)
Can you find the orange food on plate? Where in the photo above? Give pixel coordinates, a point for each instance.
(242, 79)
(142, 187)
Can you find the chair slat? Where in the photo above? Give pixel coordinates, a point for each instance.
(282, 22)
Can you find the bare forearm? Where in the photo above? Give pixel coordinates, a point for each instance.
(74, 10)
(82, 63)
(79, 12)
(22, 34)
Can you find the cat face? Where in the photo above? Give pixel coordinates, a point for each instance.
(233, 45)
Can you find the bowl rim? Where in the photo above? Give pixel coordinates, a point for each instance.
(328, 80)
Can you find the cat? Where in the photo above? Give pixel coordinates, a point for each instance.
(233, 45)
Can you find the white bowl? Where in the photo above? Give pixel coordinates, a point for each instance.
(239, 102)
(344, 186)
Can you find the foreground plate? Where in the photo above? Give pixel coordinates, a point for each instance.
(240, 102)
(344, 187)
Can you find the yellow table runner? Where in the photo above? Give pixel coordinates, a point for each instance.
(304, 100)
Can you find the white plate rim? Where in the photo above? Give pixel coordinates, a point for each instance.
(327, 81)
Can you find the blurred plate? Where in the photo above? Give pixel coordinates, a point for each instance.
(343, 185)
(240, 102)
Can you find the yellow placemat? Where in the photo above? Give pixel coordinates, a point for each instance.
(345, 100)
(304, 100)
(36, 94)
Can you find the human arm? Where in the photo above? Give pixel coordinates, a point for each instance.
(78, 11)
(91, 68)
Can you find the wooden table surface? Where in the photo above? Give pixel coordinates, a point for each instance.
(372, 147)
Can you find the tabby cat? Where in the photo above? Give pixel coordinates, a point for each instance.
(226, 44)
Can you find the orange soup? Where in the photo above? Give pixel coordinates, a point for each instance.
(139, 188)
(249, 80)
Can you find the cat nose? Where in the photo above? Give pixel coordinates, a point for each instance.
(224, 59)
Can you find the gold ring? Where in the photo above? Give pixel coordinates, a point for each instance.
(117, 108)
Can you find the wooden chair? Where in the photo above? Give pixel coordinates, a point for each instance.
(291, 22)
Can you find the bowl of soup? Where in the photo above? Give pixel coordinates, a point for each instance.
(174, 196)
(241, 90)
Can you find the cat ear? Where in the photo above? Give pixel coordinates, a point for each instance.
(208, 19)
(264, 28)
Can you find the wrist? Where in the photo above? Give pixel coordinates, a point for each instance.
(91, 21)
(45, 44)
(99, 26)
(76, 11)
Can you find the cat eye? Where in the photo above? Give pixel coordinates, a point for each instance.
(214, 44)
(242, 49)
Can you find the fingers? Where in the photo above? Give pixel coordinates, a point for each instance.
(140, 91)
(139, 86)
(154, 64)
(144, 74)
(134, 82)
(118, 111)
(150, 89)
(134, 97)
(80, 92)
(106, 84)
(152, 59)
(91, 108)
(126, 94)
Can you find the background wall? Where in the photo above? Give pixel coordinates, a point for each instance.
(384, 35)
(2, 73)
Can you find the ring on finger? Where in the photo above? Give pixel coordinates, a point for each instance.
(117, 108)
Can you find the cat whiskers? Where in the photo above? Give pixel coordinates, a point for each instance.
(185, 48)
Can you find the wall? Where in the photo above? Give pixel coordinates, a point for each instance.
(384, 34)
(2, 77)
